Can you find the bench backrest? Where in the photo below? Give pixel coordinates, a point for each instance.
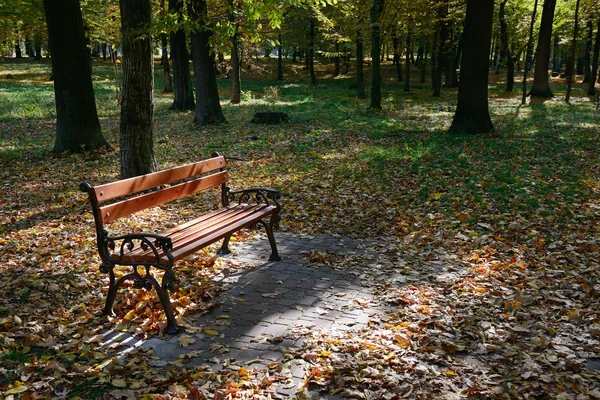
(150, 190)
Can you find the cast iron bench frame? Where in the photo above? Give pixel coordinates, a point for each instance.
(143, 251)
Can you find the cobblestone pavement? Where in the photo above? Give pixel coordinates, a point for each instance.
(266, 304)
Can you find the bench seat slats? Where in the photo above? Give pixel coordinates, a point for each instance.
(201, 232)
(140, 183)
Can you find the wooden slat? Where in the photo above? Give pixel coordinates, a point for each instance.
(142, 202)
(196, 239)
(144, 182)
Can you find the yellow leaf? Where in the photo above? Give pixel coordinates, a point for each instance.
(325, 353)
(17, 389)
(573, 314)
(211, 332)
(437, 196)
(243, 371)
(449, 372)
(26, 350)
(130, 315)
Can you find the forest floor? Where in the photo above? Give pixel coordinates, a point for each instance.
(512, 217)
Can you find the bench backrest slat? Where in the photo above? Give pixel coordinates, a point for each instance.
(148, 200)
(140, 183)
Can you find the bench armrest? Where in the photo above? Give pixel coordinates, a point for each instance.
(120, 245)
(269, 197)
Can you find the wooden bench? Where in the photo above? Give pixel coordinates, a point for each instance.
(143, 251)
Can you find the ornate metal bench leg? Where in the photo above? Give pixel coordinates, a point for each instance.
(274, 253)
(165, 301)
(225, 246)
(112, 289)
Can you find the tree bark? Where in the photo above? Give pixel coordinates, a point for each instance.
(594, 68)
(165, 62)
(571, 76)
(528, 51)
(236, 80)
(183, 91)
(137, 107)
(397, 58)
(280, 58)
(336, 60)
(587, 59)
(541, 84)
(311, 52)
(508, 58)
(77, 124)
(18, 53)
(360, 73)
(376, 11)
(208, 106)
(472, 114)
(407, 66)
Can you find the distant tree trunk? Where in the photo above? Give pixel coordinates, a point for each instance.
(556, 55)
(587, 59)
(360, 74)
(280, 58)
(440, 45)
(137, 107)
(165, 63)
(18, 53)
(423, 66)
(37, 44)
(236, 81)
(594, 68)
(376, 11)
(183, 90)
(510, 67)
(397, 58)
(295, 54)
(472, 114)
(528, 52)
(571, 76)
(311, 52)
(408, 53)
(336, 60)
(77, 125)
(541, 84)
(208, 107)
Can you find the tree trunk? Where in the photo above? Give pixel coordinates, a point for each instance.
(528, 51)
(311, 52)
(587, 59)
(556, 55)
(295, 55)
(280, 58)
(184, 93)
(360, 74)
(397, 58)
(18, 53)
(77, 125)
(208, 106)
(510, 67)
(541, 85)
(423, 66)
(472, 114)
(137, 107)
(376, 11)
(408, 53)
(594, 68)
(236, 80)
(571, 76)
(336, 60)
(165, 63)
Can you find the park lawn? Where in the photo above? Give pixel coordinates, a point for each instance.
(516, 212)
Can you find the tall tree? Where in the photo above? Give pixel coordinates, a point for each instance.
(165, 54)
(408, 54)
(360, 74)
(184, 92)
(376, 13)
(592, 83)
(506, 55)
(541, 84)
(208, 106)
(311, 50)
(236, 81)
(572, 57)
(137, 107)
(528, 51)
(77, 125)
(472, 115)
(587, 58)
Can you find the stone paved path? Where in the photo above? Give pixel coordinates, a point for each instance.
(266, 304)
